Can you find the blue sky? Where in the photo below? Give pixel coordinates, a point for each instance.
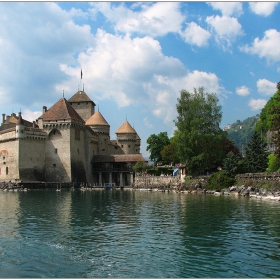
(136, 57)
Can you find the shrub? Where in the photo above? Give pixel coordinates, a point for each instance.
(220, 180)
(160, 170)
(273, 163)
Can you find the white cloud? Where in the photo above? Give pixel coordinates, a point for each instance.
(31, 116)
(266, 87)
(267, 48)
(243, 91)
(257, 104)
(196, 35)
(129, 72)
(263, 8)
(227, 29)
(228, 8)
(147, 123)
(157, 19)
(35, 38)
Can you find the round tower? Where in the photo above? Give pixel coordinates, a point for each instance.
(137, 144)
(126, 137)
(20, 127)
(100, 126)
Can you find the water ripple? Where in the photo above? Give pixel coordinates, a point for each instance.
(125, 234)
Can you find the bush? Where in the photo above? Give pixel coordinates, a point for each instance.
(160, 170)
(220, 180)
(273, 163)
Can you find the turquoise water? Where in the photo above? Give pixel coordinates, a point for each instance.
(134, 234)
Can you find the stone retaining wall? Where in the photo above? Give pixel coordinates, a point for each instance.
(258, 180)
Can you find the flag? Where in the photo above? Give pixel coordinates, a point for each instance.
(81, 74)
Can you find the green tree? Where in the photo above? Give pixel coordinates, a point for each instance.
(140, 166)
(169, 153)
(274, 113)
(156, 143)
(273, 163)
(198, 132)
(255, 157)
(269, 116)
(230, 163)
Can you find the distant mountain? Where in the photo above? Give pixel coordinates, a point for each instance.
(241, 131)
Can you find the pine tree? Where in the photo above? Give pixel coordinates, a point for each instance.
(255, 159)
(230, 164)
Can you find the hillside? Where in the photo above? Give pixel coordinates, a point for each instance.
(241, 131)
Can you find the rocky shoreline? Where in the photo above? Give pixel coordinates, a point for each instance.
(237, 191)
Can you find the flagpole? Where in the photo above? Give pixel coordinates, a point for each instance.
(81, 76)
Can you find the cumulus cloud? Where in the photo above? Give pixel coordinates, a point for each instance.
(31, 116)
(34, 38)
(116, 67)
(256, 104)
(266, 87)
(226, 29)
(156, 19)
(228, 8)
(243, 91)
(196, 35)
(147, 123)
(128, 66)
(263, 8)
(267, 47)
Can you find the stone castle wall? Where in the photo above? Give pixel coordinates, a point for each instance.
(58, 166)
(31, 161)
(9, 160)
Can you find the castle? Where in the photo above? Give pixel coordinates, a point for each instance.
(68, 143)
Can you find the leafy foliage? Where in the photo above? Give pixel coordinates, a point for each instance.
(198, 133)
(273, 163)
(160, 170)
(274, 116)
(220, 180)
(156, 143)
(230, 164)
(140, 166)
(255, 157)
(169, 153)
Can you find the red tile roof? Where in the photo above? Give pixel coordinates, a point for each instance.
(126, 128)
(80, 96)
(118, 158)
(96, 119)
(61, 110)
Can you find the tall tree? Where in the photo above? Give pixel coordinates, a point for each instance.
(274, 112)
(255, 157)
(198, 131)
(169, 153)
(156, 143)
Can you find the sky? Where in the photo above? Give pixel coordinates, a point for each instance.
(136, 57)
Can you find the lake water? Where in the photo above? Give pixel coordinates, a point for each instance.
(135, 234)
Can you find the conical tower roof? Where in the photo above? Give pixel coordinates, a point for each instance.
(97, 119)
(80, 96)
(61, 110)
(126, 128)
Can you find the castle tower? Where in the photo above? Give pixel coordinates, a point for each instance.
(82, 104)
(126, 137)
(100, 126)
(137, 144)
(20, 127)
(65, 154)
